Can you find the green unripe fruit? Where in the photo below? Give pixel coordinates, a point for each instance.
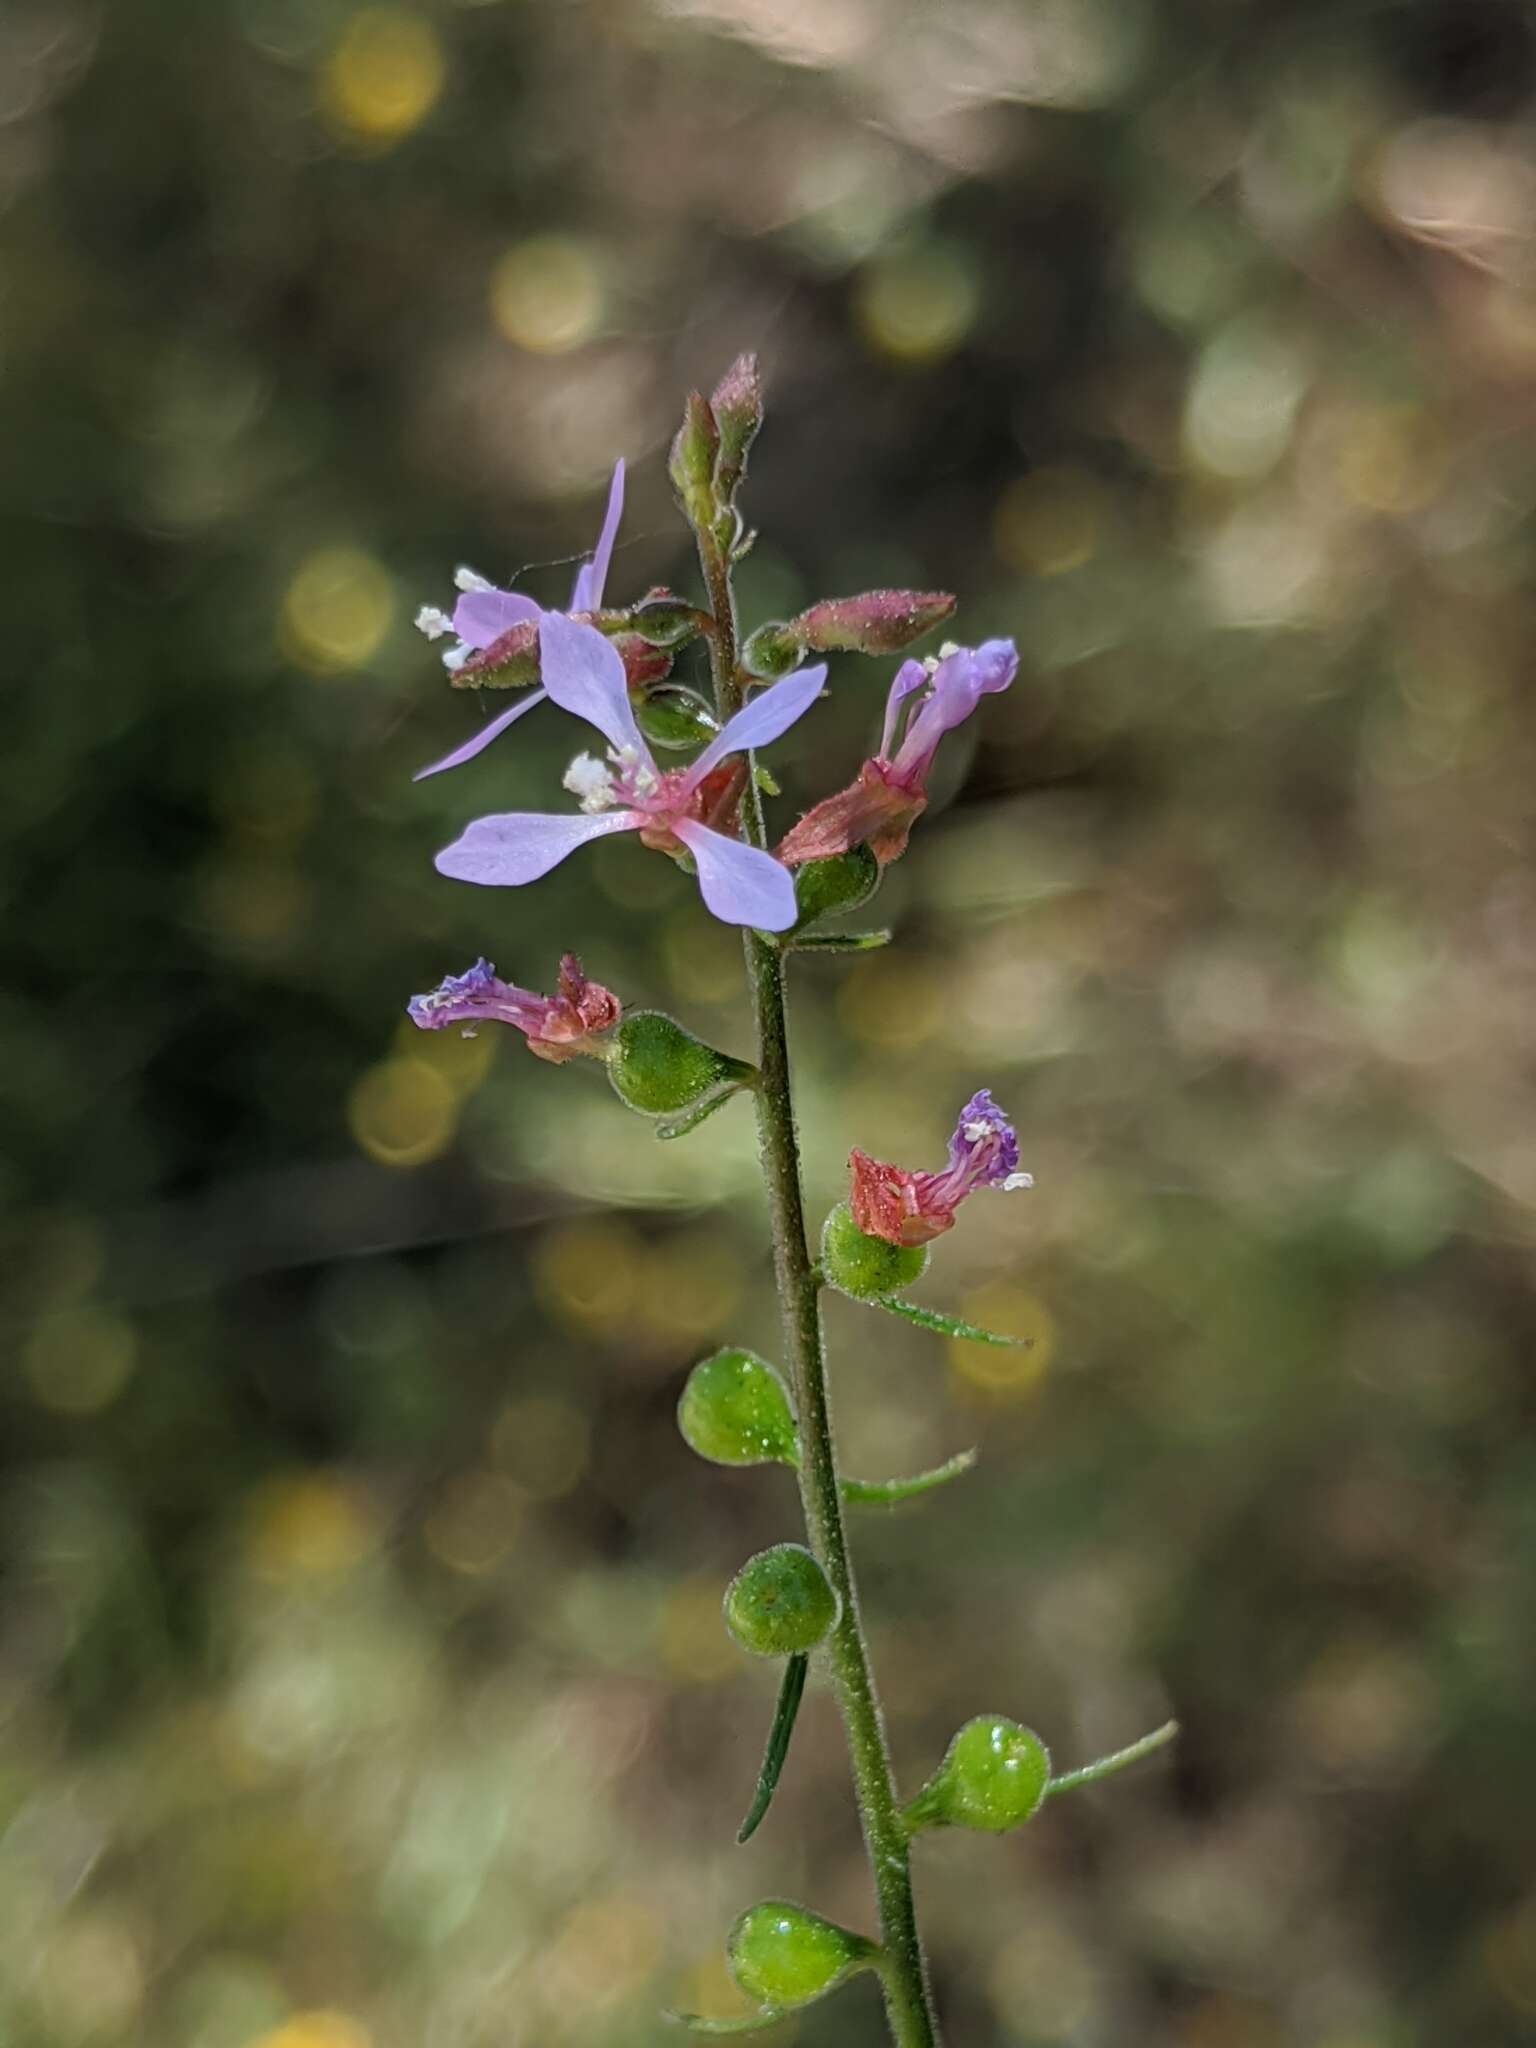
(771, 651)
(675, 717)
(866, 1266)
(781, 1602)
(658, 1067)
(843, 882)
(664, 621)
(735, 1410)
(784, 1956)
(993, 1776)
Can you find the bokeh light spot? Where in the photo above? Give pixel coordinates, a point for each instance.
(384, 76)
(1012, 1371)
(691, 1637)
(316, 2030)
(547, 295)
(1049, 522)
(918, 302)
(80, 1359)
(336, 610)
(307, 1525)
(460, 1058)
(586, 1273)
(890, 1001)
(402, 1112)
(543, 1444)
(475, 1522)
(1243, 401)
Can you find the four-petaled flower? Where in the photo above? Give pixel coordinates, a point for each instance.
(911, 1208)
(673, 810)
(879, 807)
(485, 618)
(557, 1027)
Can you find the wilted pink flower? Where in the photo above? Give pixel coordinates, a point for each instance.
(879, 807)
(571, 1021)
(672, 810)
(492, 624)
(911, 1208)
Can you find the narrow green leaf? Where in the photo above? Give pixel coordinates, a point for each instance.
(783, 1727)
(886, 1492)
(744, 2023)
(947, 1326)
(694, 1115)
(838, 942)
(1106, 1766)
(764, 780)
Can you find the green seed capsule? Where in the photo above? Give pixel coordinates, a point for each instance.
(843, 882)
(658, 1067)
(781, 1601)
(674, 717)
(784, 1956)
(865, 1266)
(772, 650)
(664, 621)
(735, 1410)
(993, 1776)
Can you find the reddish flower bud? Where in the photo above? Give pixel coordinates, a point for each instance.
(911, 1208)
(877, 622)
(737, 405)
(572, 1020)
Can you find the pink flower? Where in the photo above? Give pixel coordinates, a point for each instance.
(674, 810)
(556, 1027)
(489, 623)
(910, 1208)
(881, 804)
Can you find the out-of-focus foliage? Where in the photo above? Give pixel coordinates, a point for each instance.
(362, 1675)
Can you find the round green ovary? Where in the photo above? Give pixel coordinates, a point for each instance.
(657, 1066)
(993, 1776)
(783, 1956)
(735, 1411)
(865, 1266)
(780, 1601)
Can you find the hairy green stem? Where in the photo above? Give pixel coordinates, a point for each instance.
(908, 2000)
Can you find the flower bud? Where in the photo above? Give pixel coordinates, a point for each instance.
(866, 1266)
(691, 465)
(675, 717)
(663, 620)
(735, 1410)
(737, 404)
(658, 1068)
(843, 882)
(993, 1776)
(784, 1956)
(781, 1602)
(772, 650)
(875, 622)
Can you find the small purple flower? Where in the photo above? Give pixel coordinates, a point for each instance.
(556, 1027)
(910, 1208)
(629, 793)
(484, 614)
(880, 806)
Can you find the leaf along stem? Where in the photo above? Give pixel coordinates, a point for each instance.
(783, 1726)
(903, 1975)
(887, 1492)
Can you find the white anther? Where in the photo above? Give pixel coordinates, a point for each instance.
(1018, 1180)
(470, 579)
(432, 622)
(588, 780)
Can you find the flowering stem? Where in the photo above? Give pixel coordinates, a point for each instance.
(903, 1972)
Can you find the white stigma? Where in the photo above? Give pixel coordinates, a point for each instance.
(470, 579)
(635, 770)
(456, 657)
(1018, 1180)
(432, 622)
(591, 782)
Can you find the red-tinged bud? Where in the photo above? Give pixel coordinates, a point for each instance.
(509, 663)
(877, 622)
(512, 662)
(692, 462)
(737, 405)
(875, 811)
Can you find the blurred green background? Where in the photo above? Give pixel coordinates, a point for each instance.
(362, 1681)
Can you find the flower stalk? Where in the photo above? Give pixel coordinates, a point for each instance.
(903, 1973)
